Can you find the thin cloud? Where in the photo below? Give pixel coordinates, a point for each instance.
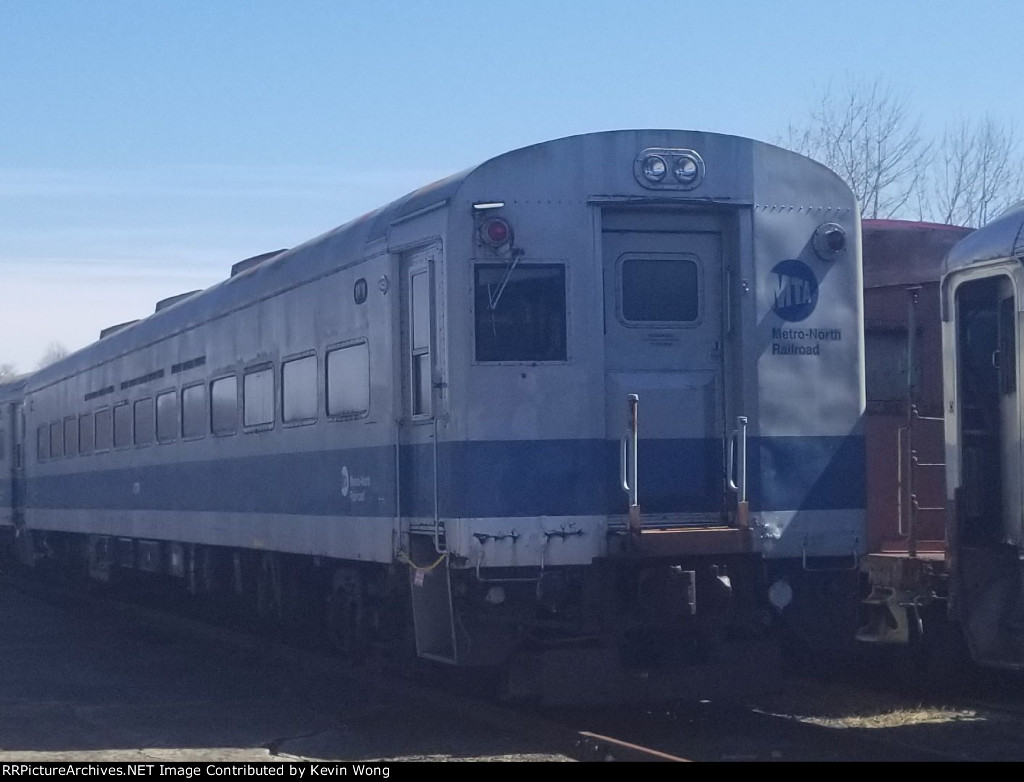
(210, 182)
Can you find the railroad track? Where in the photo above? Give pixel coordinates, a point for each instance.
(550, 735)
(715, 732)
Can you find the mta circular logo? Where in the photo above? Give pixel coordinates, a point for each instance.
(796, 290)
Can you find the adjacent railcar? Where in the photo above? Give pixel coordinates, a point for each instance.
(905, 569)
(590, 410)
(970, 588)
(981, 301)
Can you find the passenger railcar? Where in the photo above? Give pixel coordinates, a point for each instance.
(591, 406)
(11, 456)
(981, 300)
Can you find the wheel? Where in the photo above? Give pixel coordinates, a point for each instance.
(269, 609)
(345, 626)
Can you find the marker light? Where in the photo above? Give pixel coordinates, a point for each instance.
(495, 232)
(655, 168)
(829, 241)
(686, 169)
(651, 168)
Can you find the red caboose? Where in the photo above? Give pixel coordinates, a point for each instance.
(903, 266)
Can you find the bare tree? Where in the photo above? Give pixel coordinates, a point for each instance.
(863, 132)
(978, 173)
(54, 352)
(8, 372)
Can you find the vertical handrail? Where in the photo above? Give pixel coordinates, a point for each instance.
(911, 410)
(741, 459)
(742, 505)
(629, 462)
(440, 548)
(736, 469)
(899, 480)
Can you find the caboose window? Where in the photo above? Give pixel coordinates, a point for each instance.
(520, 315)
(258, 397)
(224, 405)
(348, 381)
(659, 290)
(122, 426)
(886, 364)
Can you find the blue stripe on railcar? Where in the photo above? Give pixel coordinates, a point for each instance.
(477, 479)
(807, 473)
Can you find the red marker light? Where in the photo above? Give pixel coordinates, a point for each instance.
(495, 232)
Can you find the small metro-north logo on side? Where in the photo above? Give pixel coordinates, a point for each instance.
(796, 290)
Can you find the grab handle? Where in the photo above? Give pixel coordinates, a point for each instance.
(628, 462)
(737, 462)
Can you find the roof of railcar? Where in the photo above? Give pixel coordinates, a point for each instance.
(318, 255)
(906, 252)
(1001, 238)
(13, 389)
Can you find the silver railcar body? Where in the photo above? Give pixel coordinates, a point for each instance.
(11, 450)
(981, 306)
(630, 351)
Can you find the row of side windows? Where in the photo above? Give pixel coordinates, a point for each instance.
(172, 415)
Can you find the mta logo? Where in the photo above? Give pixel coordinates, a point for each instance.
(796, 290)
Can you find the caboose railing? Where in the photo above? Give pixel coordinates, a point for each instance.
(908, 504)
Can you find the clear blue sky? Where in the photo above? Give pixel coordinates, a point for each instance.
(147, 145)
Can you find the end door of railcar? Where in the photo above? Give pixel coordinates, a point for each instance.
(666, 358)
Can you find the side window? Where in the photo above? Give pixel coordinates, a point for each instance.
(520, 314)
(71, 436)
(224, 405)
(122, 425)
(104, 429)
(43, 442)
(193, 411)
(348, 381)
(144, 424)
(420, 339)
(886, 367)
(167, 416)
(659, 290)
(258, 397)
(56, 440)
(298, 390)
(86, 433)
